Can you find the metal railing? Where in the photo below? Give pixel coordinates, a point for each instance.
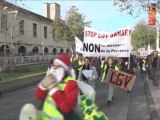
(5, 62)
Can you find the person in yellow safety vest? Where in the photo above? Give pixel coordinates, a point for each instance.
(73, 58)
(78, 64)
(108, 65)
(59, 91)
(144, 65)
(102, 62)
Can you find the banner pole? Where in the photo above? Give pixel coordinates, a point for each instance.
(129, 62)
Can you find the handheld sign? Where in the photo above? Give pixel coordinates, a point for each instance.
(87, 73)
(121, 79)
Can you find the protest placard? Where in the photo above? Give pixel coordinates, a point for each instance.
(121, 79)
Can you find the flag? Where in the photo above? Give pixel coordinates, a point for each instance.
(152, 14)
(79, 45)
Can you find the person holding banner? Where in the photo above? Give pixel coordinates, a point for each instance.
(88, 73)
(110, 64)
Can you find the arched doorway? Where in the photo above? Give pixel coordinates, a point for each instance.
(67, 51)
(54, 51)
(35, 50)
(61, 50)
(45, 50)
(22, 50)
(2, 49)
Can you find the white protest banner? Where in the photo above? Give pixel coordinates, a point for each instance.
(143, 53)
(121, 79)
(79, 45)
(98, 43)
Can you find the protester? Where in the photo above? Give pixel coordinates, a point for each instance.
(78, 64)
(73, 58)
(155, 63)
(96, 62)
(109, 64)
(148, 65)
(87, 66)
(58, 90)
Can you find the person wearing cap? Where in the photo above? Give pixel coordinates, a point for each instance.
(58, 90)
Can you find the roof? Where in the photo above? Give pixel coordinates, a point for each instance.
(24, 11)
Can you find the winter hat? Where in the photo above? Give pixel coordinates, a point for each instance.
(64, 60)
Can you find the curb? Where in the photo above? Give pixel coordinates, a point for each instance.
(8, 86)
(150, 102)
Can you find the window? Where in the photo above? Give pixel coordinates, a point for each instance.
(45, 32)
(34, 30)
(21, 27)
(53, 34)
(3, 22)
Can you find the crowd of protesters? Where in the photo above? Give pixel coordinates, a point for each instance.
(148, 65)
(100, 67)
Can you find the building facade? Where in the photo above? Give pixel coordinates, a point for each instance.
(26, 33)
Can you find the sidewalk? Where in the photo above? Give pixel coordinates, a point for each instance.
(153, 97)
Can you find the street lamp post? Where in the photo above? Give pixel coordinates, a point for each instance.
(4, 11)
(11, 42)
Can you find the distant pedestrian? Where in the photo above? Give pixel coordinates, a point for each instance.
(155, 63)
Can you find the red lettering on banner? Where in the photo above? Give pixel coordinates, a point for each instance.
(111, 78)
(125, 32)
(127, 80)
(119, 80)
(90, 34)
(102, 35)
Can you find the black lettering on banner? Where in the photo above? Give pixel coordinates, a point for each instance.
(89, 47)
(102, 50)
(108, 51)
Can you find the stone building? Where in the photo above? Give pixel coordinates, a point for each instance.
(26, 33)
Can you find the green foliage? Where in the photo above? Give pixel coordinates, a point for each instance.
(61, 30)
(76, 23)
(143, 35)
(72, 26)
(135, 7)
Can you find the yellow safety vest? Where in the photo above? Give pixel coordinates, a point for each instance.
(102, 64)
(49, 110)
(80, 63)
(104, 73)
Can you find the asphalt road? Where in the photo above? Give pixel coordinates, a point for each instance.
(125, 106)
